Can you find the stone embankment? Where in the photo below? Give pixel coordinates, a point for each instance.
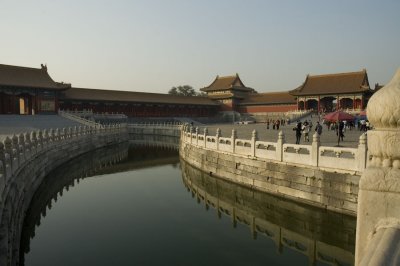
(324, 237)
(326, 177)
(26, 159)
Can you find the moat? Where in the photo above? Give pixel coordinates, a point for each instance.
(146, 207)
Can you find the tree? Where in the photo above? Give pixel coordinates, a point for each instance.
(184, 90)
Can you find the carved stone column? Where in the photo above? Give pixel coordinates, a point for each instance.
(379, 189)
(254, 138)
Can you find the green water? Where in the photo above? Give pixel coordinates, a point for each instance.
(145, 210)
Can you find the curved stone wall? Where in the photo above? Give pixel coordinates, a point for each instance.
(325, 237)
(311, 184)
(24, 162)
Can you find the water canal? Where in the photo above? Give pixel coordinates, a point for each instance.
(144, 206)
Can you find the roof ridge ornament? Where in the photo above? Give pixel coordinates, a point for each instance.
(43, 67)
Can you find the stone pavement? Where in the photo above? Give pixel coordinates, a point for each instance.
(16, 124)
(328, 137)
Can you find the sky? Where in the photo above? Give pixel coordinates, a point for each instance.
(153, 45)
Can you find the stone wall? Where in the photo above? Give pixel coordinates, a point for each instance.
(303, 181)
(24, 162)
(326, 237)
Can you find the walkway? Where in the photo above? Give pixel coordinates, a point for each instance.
(328, 138)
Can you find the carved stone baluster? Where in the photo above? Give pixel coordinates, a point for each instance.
(28, 145)
(34, 142)
(40, 141)
(254, 138)
(378, 213)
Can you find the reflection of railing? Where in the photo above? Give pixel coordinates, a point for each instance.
(348, 159)
(276, 219)
(164, 129)
(64, 177)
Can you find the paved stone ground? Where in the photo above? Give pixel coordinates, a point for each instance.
(328, 138)
(16, 124)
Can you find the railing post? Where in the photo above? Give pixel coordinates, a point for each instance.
(362, 152)
(378, 212)
(279, 146)
(45, 138)
(254, 138)
(9, 145)
(34, 142)
(191, 132)
(233, 140)
(51, 136)
(3, 161)
(197, 136)
(205, 137)
(217, 135)
(28, 145)
(315, 149)
(21, 147)
(40, 140)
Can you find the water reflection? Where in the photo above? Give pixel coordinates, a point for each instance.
(322, 236)
(154, 141)
(118, 158)
(152, 200)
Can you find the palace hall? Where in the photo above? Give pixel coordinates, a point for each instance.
(29, 91)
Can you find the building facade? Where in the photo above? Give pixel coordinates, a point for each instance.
(229, 91)
(326, 93)
(26, 90)
(137, 104)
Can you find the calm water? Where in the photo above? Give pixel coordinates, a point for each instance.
(145, 210)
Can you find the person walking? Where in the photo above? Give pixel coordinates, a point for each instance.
(298, 132)
(306, 130)
(341, 130)
(318, 128)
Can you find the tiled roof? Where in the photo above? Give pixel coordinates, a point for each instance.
(269, 98)
(131, 96)
(334, 83)
(227, 82)
(16, 76)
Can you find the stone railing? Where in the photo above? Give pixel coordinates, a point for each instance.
(26, 159)
(315, 155)
(77, 117)
(294, 115)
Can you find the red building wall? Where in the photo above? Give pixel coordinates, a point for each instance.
(268, 108)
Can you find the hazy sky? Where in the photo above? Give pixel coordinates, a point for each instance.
(152, 45)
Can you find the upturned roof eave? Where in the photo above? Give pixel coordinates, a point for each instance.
(330, 93)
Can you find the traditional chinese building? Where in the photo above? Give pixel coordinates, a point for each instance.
(334, 91)
(271, 102)
(228, 91)
(137, 104)
(25, 90)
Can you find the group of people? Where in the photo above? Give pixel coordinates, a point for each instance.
(363, 125)
(305, 128)
(276, 123)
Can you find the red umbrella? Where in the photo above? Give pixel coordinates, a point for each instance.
(338, 116)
